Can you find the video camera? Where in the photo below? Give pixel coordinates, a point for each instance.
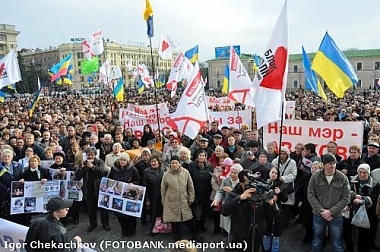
(264, 191)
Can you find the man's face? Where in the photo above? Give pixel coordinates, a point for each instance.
(214, 127)
(203, 144)
(46, 135)
(118, 138)
(29, 139)
(372, 150)
(217, 140)
(331, 148)
(107, 140)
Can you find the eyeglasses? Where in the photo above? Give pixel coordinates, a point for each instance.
(175, 142)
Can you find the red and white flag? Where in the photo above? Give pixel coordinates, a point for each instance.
(10, 70)
(86, 49)
(241, 87)
(271, 77)
(181, 69)
(166, 47)
(191, 113)
(144, 75)
(96, 45)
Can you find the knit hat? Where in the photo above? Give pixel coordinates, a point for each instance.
(263, 152)
(286, 150)
(237, 167)
(151, 141)
(227, 162)
(365, 167)
(177, 139)
(125, 156)
(328, 158)
(174, 158)
(146, 151)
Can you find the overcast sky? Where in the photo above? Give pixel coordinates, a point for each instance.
(209, 23)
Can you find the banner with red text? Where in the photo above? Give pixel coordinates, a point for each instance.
(344, 134)
(224, 103)
(137, 121)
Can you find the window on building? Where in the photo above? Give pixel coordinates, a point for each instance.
(1, 56)
(359, 66)
(218, 84)
(1, 47)
(82, 78)
(295, 68)
(79, 63)
(295, 84)
(359, 84)
(79, 71)
(2, 37)
(377, 65)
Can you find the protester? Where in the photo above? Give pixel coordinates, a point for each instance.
(49, 230)
(328, 203)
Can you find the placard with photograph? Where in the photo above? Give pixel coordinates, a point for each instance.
(70, 189)
(32, 196)
(125, 198)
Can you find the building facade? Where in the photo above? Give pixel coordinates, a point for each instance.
(8, 38)
(117, 54)
(365, 62)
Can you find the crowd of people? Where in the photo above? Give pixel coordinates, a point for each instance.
(213, 176)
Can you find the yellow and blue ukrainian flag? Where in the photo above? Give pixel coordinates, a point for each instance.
(119, 90)
(148, 17)
(2, 96)
(333, 66)
(192, 54)
(311, 81)
(140, 87)
(226, 80)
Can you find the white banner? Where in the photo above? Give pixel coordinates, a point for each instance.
(146, 110)
(231, 118)
(344, 134)
(224, 102)
(12, 238)
(125, 198)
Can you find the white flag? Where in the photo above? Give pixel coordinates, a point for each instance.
(10, 73)
(97, 47)
(104, 72)
(241, 88)
(115, 73)
(166, 47)
(191, 114)
(271, 77)
(181, 69)
(144, 75)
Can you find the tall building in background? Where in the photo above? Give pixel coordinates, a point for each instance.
(8, 38)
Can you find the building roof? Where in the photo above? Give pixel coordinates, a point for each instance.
(298, 57)
(348, 53)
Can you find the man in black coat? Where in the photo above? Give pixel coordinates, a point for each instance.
(243, 218)
(92, 170)
(50, 231)
(372, 157)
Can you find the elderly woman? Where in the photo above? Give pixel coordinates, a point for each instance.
(227, 185)
(124, 171)
(113, 156)
(152, 180)
(177, 193)
(184, 156)
(287, 174)
(9, 171)
(217, 157)
(200, 172)
(365, 191)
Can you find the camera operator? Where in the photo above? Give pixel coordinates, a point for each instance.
(245, 214)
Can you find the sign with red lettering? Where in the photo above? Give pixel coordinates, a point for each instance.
(344, 134)
(224, 103)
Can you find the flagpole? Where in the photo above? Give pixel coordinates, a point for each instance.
(280, 143)
(155, 88)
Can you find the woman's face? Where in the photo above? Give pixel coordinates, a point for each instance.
(202, 157)
(273, 174)
(174, 165)
(146, 129)
(263, 159)
(183, 155)
(314, 168)
(123, 162)
(135, 144)
(231, 141)
(219, 152)
(33, 163)
(58, 160)
(354, 154)
(29, 152)
(233, 174)
(7, 158)
(175, 143)
(154, 163)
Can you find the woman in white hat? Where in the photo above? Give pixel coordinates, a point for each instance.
(365, 191)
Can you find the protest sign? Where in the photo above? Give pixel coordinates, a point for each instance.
(344, 134)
